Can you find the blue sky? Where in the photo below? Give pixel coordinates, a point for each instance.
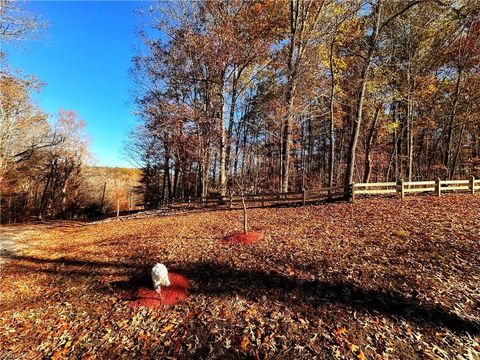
(83, 59)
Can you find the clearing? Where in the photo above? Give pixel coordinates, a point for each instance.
(380, 278)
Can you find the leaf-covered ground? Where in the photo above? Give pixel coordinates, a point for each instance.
(379, 278)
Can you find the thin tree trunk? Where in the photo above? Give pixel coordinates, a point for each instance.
(349, 175)
(223, 152)
(331, 154)
(410, 123)
(245, 215)
(447, 155)
(457, 152)
(286, 139)
(369, 145)
(175, 180)
(44, 195)
(231, 120)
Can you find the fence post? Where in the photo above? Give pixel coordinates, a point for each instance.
(263, 199)
(231, 200)
(353, 192)
(402, 189)
(304, 197)
(10, 211)
(438, 187)
(472, 184)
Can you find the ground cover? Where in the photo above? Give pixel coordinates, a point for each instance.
(380, 278)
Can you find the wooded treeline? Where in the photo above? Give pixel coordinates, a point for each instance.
(40, 158)
(43, 172)
(285, 95)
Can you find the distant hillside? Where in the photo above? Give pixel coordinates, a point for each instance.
(109, 186)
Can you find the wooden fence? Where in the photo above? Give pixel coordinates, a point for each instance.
(12, 208)
(263, 199)
(356, 189)
(405, 187)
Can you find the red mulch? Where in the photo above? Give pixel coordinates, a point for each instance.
(242, 238)
(170, 295)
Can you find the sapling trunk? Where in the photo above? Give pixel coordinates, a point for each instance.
(245, 225)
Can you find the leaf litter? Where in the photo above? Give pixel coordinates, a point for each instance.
(378, 279)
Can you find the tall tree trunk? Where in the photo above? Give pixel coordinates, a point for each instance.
(293, 60)
(43, 202)
(205, 168)
(103, 196)
(451, 123)
(457, 152)
(164, 186)
(169, 179)
(175, 180)
(286, 139)
(331, 153)
(231, 118)
(410, 120)
(352, 149)
(369, 145)
(223, 140)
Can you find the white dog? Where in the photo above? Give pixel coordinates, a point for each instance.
(160, 277)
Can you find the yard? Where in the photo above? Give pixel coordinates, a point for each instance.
(379, 278)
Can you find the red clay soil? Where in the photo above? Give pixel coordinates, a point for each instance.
(170, 295)
(242, 238)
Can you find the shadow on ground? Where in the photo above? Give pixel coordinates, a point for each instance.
(220, 280)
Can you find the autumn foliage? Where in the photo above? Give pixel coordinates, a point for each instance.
(377, 278)
(303, 94)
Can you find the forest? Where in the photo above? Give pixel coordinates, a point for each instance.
(46, 166)
(45, 170)
(279, 96)
(304, 180)
(256, 96)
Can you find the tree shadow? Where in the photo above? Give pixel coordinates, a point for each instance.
(221, 280)
(68, 267)
(213, 279)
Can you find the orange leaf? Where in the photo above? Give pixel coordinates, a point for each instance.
(245, 342)
(167, 328)
(290, 270)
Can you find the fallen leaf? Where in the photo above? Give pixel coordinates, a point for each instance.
(353, 348)
(245, 342)
(167, 328)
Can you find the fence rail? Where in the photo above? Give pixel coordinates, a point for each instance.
(356, 189)
(404, 187)
(13, 207)
(10, 207)
(265, 198)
